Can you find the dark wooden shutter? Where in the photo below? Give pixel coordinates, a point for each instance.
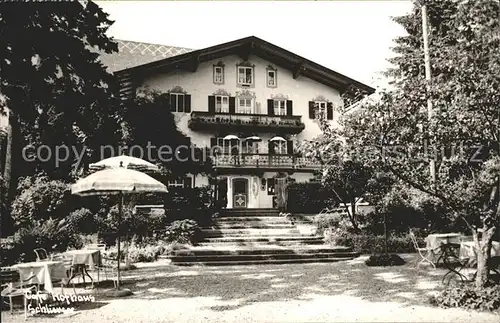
(270, 107)
(312, 109)
(166, 101)
(187, 103)
(289, 107)
(187, 182)
(270, 147)
(214, 143)
(289, 147)
(232, 104)
(173, 102)
(329, 111)
(211, 103)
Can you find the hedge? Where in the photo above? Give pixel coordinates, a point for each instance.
(368, 244)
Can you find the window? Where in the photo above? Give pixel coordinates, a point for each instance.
(185, 182)
(280, 147)
(219, 74)
(228, 146)
(271, 78)
(177, 102)
(245, 75)
(250, 147)
(222, 103)
(321, 112)
(244, 106)
(280, 107)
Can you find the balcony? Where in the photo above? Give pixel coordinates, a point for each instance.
(215, 121)
(265, 161)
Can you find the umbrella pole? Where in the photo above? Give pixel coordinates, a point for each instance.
(120, 211)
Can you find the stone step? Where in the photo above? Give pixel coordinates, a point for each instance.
(256, 219)
(248, 212)
(259, 250)
(249, 225)
(270, 239)
(251, 232)
(254, 257)
(262, 262)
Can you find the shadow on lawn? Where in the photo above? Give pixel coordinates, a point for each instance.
(265, 283)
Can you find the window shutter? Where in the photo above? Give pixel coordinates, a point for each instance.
(187, 103)
(232, 104)
(211, 103)
(270, 107)
(289, 147)
(167, 98)
(213, 144)
(311, 110)
(270, 148)
(329, 111)
(173, 103)
(187, 182)
(289, 107)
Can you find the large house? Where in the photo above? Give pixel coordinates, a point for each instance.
(251, 99)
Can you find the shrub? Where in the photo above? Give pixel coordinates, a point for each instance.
(409, 208)
(189, 203)
(326, 221)
(46, 235)
(309, 197)
(468, 297)
(144, 254)
(183, 231)
(368, 244)
(40, 199)
(385, 260)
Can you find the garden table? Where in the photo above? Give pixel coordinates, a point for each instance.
(81, 259)
(468, 258)
(442, 242)
(468, 250)
(42, 272)
(88, 257)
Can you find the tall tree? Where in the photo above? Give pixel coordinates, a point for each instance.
(55, 88)
(464, 133)
(152, 129)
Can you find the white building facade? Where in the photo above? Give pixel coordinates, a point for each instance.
(251, 102)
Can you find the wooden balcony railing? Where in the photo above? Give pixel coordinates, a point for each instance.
(265, 161)
(213, 121)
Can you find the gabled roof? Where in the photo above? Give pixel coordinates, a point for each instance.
(244, 47)
(132, 53)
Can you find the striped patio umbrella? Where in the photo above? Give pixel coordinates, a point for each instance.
(124, 161)
(117, 181)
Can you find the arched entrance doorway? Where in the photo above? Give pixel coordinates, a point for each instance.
(240, 193)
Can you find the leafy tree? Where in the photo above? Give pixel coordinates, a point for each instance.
(153, 128)
(463, 134)
(349, 179)
(56, 90)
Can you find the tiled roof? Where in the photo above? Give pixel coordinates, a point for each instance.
(131, 54)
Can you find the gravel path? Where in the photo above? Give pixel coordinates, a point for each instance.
(346, 291)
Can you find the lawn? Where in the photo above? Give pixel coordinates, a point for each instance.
(347, 291)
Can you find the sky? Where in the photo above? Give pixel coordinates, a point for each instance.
(351, 37)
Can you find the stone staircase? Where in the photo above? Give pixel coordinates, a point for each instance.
(258, 236)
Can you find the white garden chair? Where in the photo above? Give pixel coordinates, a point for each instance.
(424, 253)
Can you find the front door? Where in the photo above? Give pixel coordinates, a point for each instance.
(240, 193)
